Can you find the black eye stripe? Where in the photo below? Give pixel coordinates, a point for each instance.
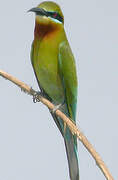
(54, 15)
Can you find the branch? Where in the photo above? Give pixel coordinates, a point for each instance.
(66, 120)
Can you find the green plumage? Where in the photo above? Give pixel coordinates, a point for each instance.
(55, 70)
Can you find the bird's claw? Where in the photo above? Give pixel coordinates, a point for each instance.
(36, 97)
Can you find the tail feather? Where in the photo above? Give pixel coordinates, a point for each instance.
(71, 148)
(72, 156)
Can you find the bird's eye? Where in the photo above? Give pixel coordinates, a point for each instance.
(55, 15)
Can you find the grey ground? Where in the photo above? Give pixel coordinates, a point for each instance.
(31, 147)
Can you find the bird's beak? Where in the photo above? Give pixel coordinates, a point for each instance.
(39, 11)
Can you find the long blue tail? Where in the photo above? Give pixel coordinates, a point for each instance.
(72, 156)
(71, 148)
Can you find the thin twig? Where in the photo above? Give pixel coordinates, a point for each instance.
(66, 120)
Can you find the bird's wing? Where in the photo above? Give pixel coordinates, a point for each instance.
(67, 70)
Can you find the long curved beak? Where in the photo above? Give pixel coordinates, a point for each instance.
(39, 11)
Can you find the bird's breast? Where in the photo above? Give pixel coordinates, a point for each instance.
(45, 63)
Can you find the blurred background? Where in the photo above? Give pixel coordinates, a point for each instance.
(31, 146)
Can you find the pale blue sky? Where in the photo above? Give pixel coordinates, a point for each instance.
(31, 146)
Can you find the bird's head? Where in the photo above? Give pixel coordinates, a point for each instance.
(48, 13)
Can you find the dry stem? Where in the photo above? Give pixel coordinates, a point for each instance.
(66, 120)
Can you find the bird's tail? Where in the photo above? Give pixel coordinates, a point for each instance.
(72, 156)
(71, 148)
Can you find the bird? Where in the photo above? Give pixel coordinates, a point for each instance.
(55, 70)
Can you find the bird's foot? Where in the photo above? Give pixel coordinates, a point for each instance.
(36, 96)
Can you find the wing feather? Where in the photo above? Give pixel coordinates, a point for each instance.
(67, 70)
